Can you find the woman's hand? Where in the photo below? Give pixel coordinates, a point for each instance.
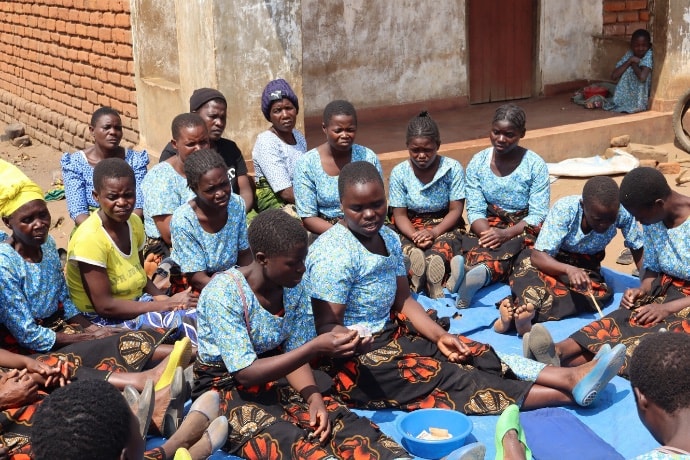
(338, 344)
(579, 279)
(634, 60)
(423, 238)
(651, 314)
(630, 296)
(493, 238)
(453, 348)
(183, 300)
(17, 389)
(48, 376)
(318, 418)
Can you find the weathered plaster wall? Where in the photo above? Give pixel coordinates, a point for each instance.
(236, 47)
(565, 42)
(671, 52)
(383, 52)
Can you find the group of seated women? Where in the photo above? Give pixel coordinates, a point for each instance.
(297, 319)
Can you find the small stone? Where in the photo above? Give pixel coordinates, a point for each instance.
(21, 141)
(669, 168)
(620, 141)
(648, 152)
(611, 151)
(14, 130)
(648, 163)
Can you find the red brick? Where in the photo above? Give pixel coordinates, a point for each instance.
(628, 16)
(98, 47)
(636, 4)
(121, 65)
(85, 17)
(122, 20)
(73, 15)
(127, 81)
(108, 19)
(122, 36)
(75, 42)
(103, 100)
(124, 51)
(60, 26)
(129, 110)
(91, 96)
(614, 5)
(105, 34)
(92, 32)
(85, 82)
(70, 28)
(644, 15)
(95, 17)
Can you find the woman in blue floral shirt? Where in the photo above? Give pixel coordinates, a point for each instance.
(507, 200)
(250, 334)
(316, 172)
(77, 167)
(565, 265)
(209, 232)
(427, 194)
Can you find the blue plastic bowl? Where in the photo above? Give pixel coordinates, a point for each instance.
(411, 424)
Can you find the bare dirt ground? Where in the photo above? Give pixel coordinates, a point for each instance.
(42, 164)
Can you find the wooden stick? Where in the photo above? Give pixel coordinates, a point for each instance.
(596, 304)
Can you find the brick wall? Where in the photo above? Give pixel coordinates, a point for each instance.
(62, 59)
(623, 17)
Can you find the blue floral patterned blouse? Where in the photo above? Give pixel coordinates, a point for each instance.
(342, 271)
(562, 230)
(526, 187)
(407, 191)
(316, 193)
(631, 95)
(224, 336)
(31, 291)
(667, 250)
(77, 175)
(196, 250)
(164, 191)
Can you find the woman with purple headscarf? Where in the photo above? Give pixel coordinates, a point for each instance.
(278, 148)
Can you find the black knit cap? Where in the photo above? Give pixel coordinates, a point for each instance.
(202, 95)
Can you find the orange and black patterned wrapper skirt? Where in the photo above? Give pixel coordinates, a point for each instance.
(552, 298)
(406, 371)
(499, 261)
(620, 326)
(272, 421)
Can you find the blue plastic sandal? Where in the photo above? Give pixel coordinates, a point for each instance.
(604, 349)
(606, 368)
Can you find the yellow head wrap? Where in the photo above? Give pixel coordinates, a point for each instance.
(15, 189)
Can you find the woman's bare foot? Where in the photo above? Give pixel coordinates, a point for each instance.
(512, 447)
(578, 373)
(505, 321)
(523, 318)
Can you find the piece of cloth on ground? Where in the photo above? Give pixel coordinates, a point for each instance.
(555, 433)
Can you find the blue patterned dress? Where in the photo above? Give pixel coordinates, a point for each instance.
(666, 252)
(562, 238)
(196, 250)
(505, 201)
(234, 331)
(403, 369)
(316, 193)
(164, 191)
(631, 95)
(32, 291)
(427, 204)
(77, 175)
